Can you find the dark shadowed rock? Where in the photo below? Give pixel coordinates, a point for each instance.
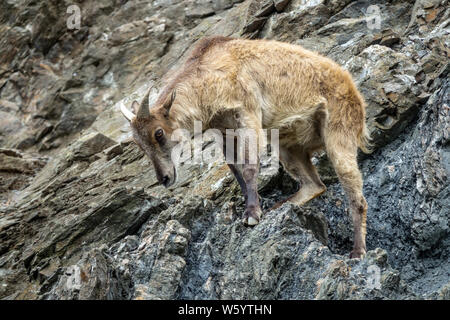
(82, 215)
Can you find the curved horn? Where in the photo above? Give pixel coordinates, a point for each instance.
(143, 109)
(126, 113)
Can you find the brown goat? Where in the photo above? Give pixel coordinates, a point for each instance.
(258, 84)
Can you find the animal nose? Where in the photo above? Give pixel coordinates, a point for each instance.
(165, 180)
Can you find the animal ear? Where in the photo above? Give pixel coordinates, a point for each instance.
(127, 113)
(135, 107)
(168, 104)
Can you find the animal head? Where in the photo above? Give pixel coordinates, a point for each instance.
(152, 130)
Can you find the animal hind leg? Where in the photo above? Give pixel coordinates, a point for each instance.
(342, 153)
(297, 162)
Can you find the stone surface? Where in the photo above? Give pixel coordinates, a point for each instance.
(83, 217)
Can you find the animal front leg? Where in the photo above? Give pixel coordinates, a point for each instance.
(246, 173)
(246, 153)
(238, 175)
(231, 162)
(249, 152)
(252, 214)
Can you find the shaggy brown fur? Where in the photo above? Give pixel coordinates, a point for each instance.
(268, 84)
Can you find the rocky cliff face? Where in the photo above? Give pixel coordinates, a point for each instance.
(82, 215)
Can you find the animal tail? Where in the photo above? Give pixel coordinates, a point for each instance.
(357, 102)
(364, 142)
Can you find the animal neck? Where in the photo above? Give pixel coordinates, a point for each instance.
(185, 112)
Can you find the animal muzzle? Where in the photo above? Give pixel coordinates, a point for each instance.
(168, 177)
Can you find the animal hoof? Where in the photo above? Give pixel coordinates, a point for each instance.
(357, 253)
(252, 222)
(252, 217)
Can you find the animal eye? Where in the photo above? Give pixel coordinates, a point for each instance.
(159, 134)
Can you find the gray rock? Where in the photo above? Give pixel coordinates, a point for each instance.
(90, 145)
(83, 217)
